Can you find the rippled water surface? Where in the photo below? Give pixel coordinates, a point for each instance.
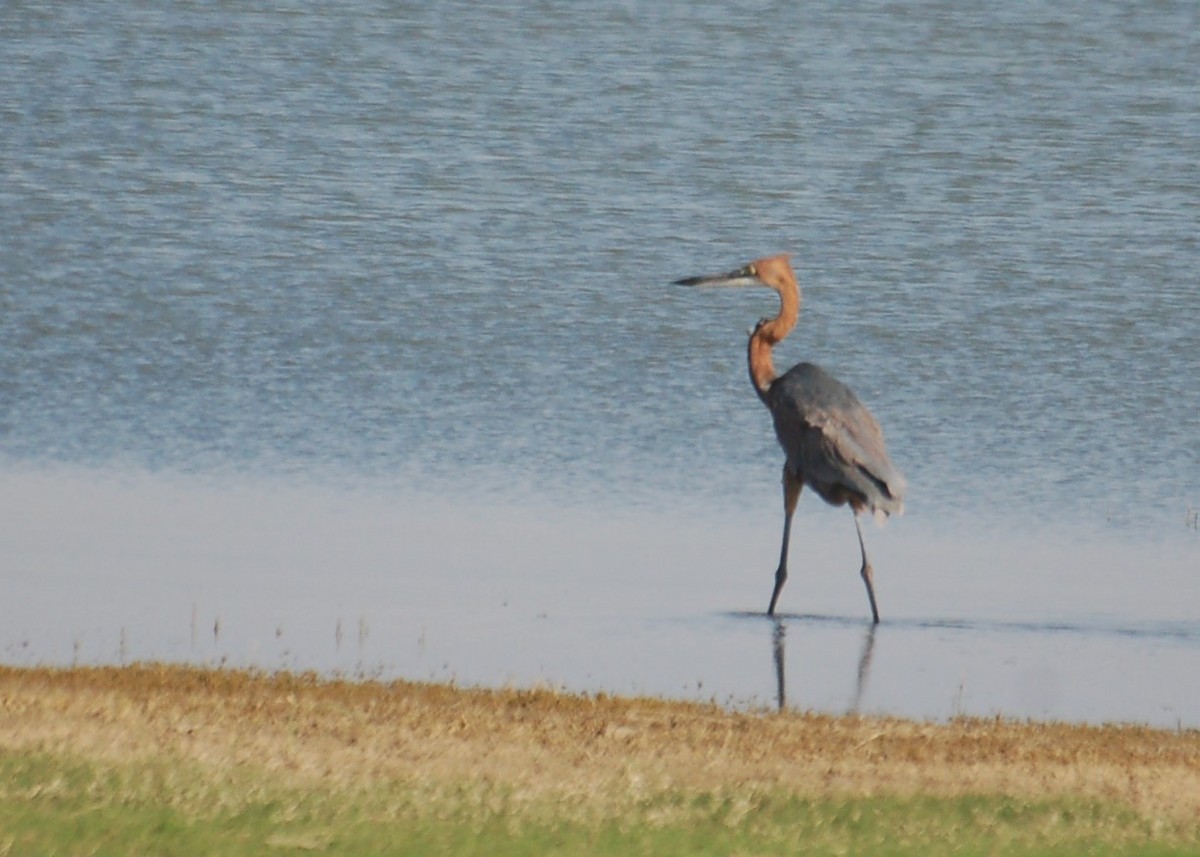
(343, 338)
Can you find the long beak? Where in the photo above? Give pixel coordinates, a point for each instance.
(739, 278)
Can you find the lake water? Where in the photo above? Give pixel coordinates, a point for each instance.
(341, 337)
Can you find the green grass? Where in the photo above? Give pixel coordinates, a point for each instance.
(51, 805)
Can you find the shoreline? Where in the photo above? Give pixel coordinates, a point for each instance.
(599, 750)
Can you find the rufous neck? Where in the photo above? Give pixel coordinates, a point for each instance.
(767, 335)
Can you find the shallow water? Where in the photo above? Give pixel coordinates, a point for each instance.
(115, 569)
(343, 339)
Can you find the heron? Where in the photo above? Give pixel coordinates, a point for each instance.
(831, 442)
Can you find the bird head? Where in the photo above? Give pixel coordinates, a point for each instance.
(774, 272)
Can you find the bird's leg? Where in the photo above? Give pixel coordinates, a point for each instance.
(791, 493)
(868, 575)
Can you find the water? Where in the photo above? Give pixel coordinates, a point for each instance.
(347, 332)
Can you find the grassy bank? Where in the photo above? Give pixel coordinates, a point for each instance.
(169, 760)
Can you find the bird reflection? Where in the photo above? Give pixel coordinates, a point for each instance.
(864, 667)
(779, 637)
(778, 646)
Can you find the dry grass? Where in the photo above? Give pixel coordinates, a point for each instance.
(596, 753)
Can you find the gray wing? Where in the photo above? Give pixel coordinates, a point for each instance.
(833, 441)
